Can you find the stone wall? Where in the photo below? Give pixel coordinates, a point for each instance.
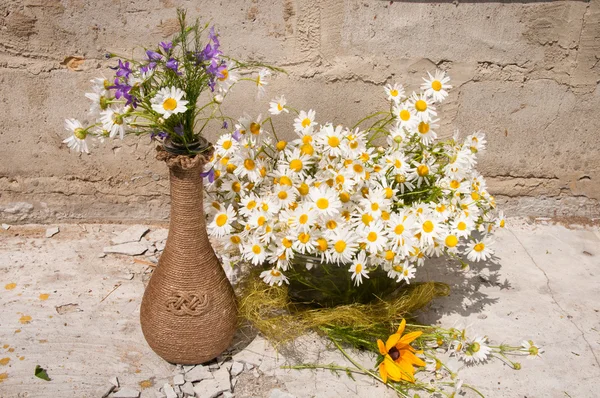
(526, 73)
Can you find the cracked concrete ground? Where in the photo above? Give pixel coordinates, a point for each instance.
(75, 314)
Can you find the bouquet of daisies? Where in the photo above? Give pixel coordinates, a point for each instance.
(162, 94)
(384, 196)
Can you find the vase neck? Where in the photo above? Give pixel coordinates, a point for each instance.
(187, 209)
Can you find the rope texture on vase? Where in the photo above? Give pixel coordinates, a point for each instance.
(188, 312)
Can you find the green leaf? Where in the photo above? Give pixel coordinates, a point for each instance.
(41, 373)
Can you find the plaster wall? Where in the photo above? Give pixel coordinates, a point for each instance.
(526, 73)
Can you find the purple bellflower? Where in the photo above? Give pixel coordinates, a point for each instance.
(153, 55)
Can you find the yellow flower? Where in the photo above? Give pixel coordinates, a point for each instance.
(399, 356)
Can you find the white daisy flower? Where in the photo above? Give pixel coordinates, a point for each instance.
(344, 246)
(273, 276)
(297, 163)
(476, 351)
(374, 237)
(277, 106)
(394, 92)
(406, 273)
(221, 224)
(261, 82)
(476, 142)
(405, 118)
(169, 101)
(462, 226)
(420, 106)
(429, 228)
(330, 140)
(436, 86)
(532, 350)
(302, 218)
(114, 121)
(426, 131)
(479, 250)
(226, 145)
(326, 200)
(305, 121)
(77, 140)
(359, 269)
(500, 220)
(229, 77)
(254, 251)
(304, 243)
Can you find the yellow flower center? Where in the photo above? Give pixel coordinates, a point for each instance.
(358, 268)
(303, 219)
(254, 128)
(475, 196)
(235, 239)
(358, 168)
(502, 223)
(389, 192)
(169, 104)
(454, 184)
(331, 224)
(225, 74)
(428, 226)
(436, 85)
(322, 244)
(422, 170)
(80, 133)
(345, 197)
(236, 186)
(479, 247)
(307, 149)
(461, 226)
(397, 268)
(394, 93)
(275, 273)
(285, 180)
(372, 237)
(385, 215)
(221, 220)
(333, 142)
(374, 206)
(281, 145)
(304, 237)
(322, 203)
(307, 139)
(340, 179)
(251, 205)
(282, 195)
(421, 105)
(451, 241)
(366, 219)
(441, 208)
(261, 220)
(399, 229)
(256, 249)
(227, 144)
(279, 107)
(303, 189)
(306, 122)
(423, 128)
(389, 255)
(404, 115)
(286, 242)
(296, 165)
(249, 164)
(340, 246)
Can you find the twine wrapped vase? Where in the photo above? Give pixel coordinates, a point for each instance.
(188, 313)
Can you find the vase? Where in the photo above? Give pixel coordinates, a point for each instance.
(188, 313)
